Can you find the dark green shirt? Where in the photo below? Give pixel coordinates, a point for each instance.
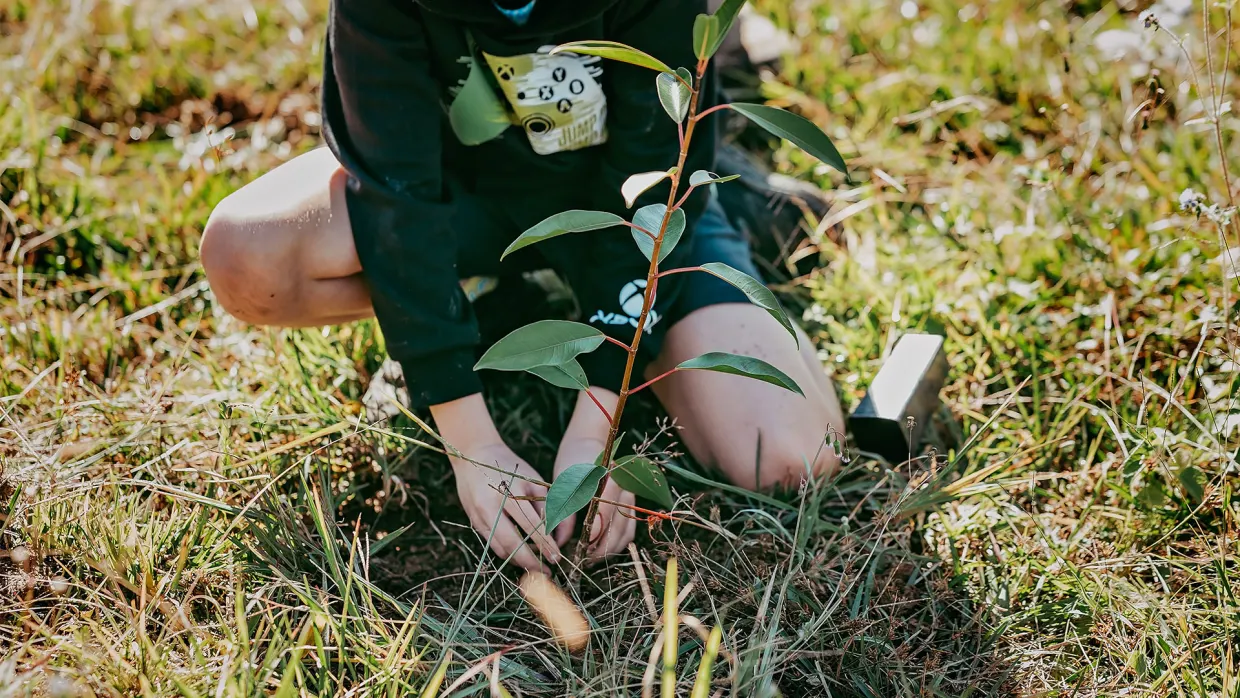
(541, 134)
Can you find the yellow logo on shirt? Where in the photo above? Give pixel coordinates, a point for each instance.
(557, 98)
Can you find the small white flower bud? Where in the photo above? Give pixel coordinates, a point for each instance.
(1192, 201)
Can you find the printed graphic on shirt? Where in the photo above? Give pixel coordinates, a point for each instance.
(476, 287)
(631, 301)
(477, 114)
(558, 99)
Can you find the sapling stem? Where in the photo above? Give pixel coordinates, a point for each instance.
(598, 404)
(692, 188)
(679, 270)
(617, 342)
(710, 111)
(652, 283)
(649, 234)
(652, 381)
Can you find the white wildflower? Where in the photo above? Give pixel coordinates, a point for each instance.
(1192, 201)
(1196, 203)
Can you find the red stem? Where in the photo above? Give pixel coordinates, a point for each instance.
(598, 404)
(617, 342)
(640, 229)
(680, 270)
(685, 198)
(710, 111)
(652, 381)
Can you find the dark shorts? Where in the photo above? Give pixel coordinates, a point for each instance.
(715, 239)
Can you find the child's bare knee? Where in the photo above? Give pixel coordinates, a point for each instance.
(248, 275)
(798, 459)
(786, 458)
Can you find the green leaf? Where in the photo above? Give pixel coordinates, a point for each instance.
(702, 178)
(568, 375)
(755, 291)
(561, 224)
(543, 343)
(614, 447)
(674, 96)
(798, 129)
(390, 538)
(643, 478)
(726, 16)
(615, 51)
(639, 184)
(477, 115)
(742, 366)
(705, 35)
(571, 492)
(651, 218)
(1152, 495)
(1193, 482)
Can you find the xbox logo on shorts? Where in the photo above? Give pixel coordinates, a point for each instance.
(631, 298)
(631, 301)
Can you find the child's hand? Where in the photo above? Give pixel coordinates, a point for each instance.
(583, 442)
(613, 530)
(487, 494)
(482, 493)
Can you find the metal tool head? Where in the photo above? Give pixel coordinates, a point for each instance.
(892, 417)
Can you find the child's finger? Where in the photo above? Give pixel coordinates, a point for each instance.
(526, 559)
(602, 521)
(610, 513)
(564, 531)
(627, 532)
(618, 530)
(529, 521)
(507, 542)
(498, 542)
(603, 526)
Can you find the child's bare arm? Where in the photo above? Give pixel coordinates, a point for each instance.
(491, 495)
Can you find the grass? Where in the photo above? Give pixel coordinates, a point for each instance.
(204, 511)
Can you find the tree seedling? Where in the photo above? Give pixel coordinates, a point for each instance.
(549, 349)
